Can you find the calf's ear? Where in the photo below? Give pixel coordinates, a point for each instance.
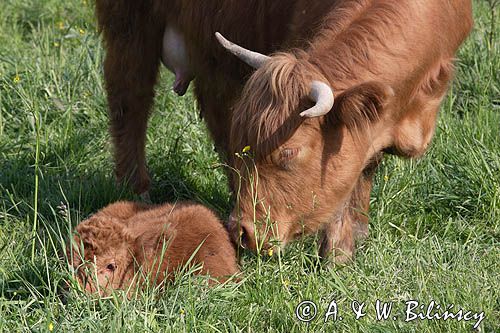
(150, 241)
(361, 105)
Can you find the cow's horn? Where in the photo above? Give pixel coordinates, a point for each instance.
(322, 94)
(254, 59)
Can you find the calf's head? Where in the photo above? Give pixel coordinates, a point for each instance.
(306, 152)
(102, 255)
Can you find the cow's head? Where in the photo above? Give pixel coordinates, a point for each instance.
(306, 151)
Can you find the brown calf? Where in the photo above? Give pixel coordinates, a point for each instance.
(121, 245)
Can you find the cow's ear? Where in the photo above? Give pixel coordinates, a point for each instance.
(361, 105)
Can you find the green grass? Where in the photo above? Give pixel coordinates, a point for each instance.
(434, 231)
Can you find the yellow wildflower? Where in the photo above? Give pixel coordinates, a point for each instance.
(16, 79)
(270, 252)
(386, 178)
(51, 327)
(246, 149)
(81, 31)
(56, 44)
(60, 25)
(181, 312)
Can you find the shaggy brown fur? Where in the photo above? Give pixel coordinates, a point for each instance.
(126, 242)
(389, 63)
(133, 32)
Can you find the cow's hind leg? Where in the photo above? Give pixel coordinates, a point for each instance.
(130, 70)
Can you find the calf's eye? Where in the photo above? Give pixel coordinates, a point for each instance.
(111, 267)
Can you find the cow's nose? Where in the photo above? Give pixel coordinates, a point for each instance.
(240, 232)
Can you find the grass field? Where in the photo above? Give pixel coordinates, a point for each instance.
(435, 222)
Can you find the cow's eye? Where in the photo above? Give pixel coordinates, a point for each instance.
(111, 267)
(286, 155)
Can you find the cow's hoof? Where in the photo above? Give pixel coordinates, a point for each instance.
(337, 259)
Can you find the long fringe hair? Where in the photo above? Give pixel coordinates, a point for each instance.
(267, 113)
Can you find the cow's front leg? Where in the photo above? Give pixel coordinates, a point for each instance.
(359, 205)
(337, 239)
(131, 69)
(339, 236)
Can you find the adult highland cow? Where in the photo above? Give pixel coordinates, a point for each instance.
(386, 63)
